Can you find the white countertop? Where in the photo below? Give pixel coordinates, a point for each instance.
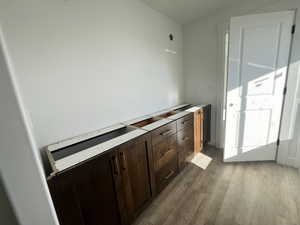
(74, 140)
(195, 108)
(88, 153)
(85, 154)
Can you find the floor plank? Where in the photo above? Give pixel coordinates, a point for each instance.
(228, 194)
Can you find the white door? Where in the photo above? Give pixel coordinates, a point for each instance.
(257, 70)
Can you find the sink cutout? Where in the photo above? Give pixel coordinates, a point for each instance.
(80, 146)
(183, 108)
(144, 123)
(168, 114)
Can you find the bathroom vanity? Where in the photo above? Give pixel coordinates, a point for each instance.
(110, 176)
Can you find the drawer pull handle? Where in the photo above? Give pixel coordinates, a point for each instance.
(165, 133)
(169, 175)
(116, 168)
(123, 160)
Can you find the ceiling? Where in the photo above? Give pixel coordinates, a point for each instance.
(185, 11)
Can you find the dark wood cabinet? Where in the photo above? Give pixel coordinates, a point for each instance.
(111, 189)
(114, 187)
(165, 161)
(165, 155)
(136, 166)
(87, 194)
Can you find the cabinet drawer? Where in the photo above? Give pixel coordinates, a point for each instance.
(166, 174)
(185, 147)
(165, 151)
(159, 134)
(185, 137)
(185, 122)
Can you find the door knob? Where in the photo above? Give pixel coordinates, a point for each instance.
(230, 104)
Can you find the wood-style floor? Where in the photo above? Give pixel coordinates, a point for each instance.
(228, 194)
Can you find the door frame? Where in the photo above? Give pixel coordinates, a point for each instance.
(286, 85)
(223, 112)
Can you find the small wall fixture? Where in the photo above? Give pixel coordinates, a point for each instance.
(171, 45)
(170, 51)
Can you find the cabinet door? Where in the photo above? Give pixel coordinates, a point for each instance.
(63, 196)
(87, 194)
(136, 174)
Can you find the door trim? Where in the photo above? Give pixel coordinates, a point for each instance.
(286, 85)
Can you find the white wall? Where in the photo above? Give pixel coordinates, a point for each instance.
(204, 53)
(20, 166)
(199, 63)
(7, 215)
(86, 64)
